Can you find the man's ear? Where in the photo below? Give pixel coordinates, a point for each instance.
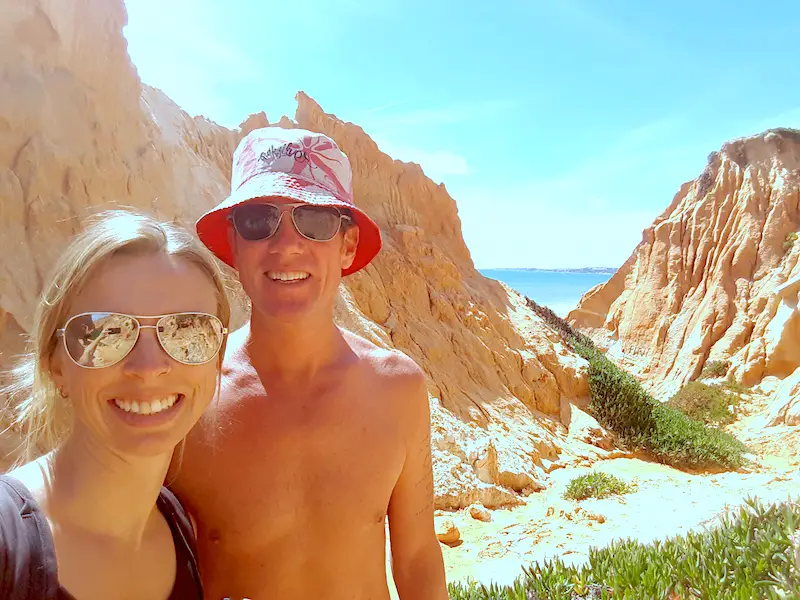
(349, 246)
(232, 243)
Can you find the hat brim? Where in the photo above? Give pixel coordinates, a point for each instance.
(212, 227)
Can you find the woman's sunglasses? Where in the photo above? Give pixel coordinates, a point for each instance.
(94, 340)
(260, 221)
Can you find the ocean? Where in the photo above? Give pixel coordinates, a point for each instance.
(557, 290)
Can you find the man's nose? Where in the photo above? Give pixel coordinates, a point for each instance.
(147, 359)
(287, 238)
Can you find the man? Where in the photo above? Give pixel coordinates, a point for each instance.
(318, 434)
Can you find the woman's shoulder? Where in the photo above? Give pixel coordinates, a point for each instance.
(15, 501)
(27, 556)
(29, 478)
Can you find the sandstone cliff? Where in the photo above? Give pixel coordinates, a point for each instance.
(80, 133)
(716, 277)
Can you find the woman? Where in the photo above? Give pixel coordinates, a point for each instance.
(127, 345)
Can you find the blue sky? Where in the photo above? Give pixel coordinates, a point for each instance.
(561, 127)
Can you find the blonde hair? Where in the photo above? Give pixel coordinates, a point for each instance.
(37, 410)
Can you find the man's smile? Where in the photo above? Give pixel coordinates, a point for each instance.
(288, 276)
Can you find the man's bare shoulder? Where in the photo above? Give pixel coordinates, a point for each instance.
(236, 365)
(391, 366)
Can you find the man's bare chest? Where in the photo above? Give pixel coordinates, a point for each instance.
(273, 466)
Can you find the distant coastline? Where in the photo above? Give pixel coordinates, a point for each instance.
(559, 290)
(591, 270)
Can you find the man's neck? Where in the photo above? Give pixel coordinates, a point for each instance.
(99, 492)
(292, 351)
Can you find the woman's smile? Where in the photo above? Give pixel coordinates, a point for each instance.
(143, 412)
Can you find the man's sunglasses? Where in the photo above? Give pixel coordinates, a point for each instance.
(94, 340)
(260, 221)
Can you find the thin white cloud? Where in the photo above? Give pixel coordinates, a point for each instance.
(551, 236)
(193, 45)
(390, 130)
(656, 131)
(445, 115)
(439, 165)
(385, 106)
(655, 145)
(590, 17)
(591, 214)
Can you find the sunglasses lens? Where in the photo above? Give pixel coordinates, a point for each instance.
(256, 221)
(191, 338)
(100, 339)
(319, 223)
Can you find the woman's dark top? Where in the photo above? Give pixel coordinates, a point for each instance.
(28, 557)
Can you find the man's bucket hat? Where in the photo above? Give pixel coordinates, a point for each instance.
(289, 163)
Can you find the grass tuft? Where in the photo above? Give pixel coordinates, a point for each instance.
(597, 485)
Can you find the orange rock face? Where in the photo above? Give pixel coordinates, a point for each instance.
(716, 275)
(81, 133)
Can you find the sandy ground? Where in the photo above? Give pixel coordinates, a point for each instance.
(668, 502)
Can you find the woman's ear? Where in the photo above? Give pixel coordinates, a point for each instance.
(56, 369)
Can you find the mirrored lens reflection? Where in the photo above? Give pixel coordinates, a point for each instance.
(190, 338)
(100, 339)
(316, 222)
(256, 221)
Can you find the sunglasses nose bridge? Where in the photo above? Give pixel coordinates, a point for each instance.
(287, 236)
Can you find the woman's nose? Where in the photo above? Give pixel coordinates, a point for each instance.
(147, 359)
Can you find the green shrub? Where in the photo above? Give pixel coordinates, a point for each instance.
(715, 368)
(597, 485)
(706, 403)
(748, 557)
(621, 404)
(734, 386)
(680, 441)
(791, 238)
(618, 401)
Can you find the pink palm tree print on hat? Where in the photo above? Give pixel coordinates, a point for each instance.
(323, 169)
